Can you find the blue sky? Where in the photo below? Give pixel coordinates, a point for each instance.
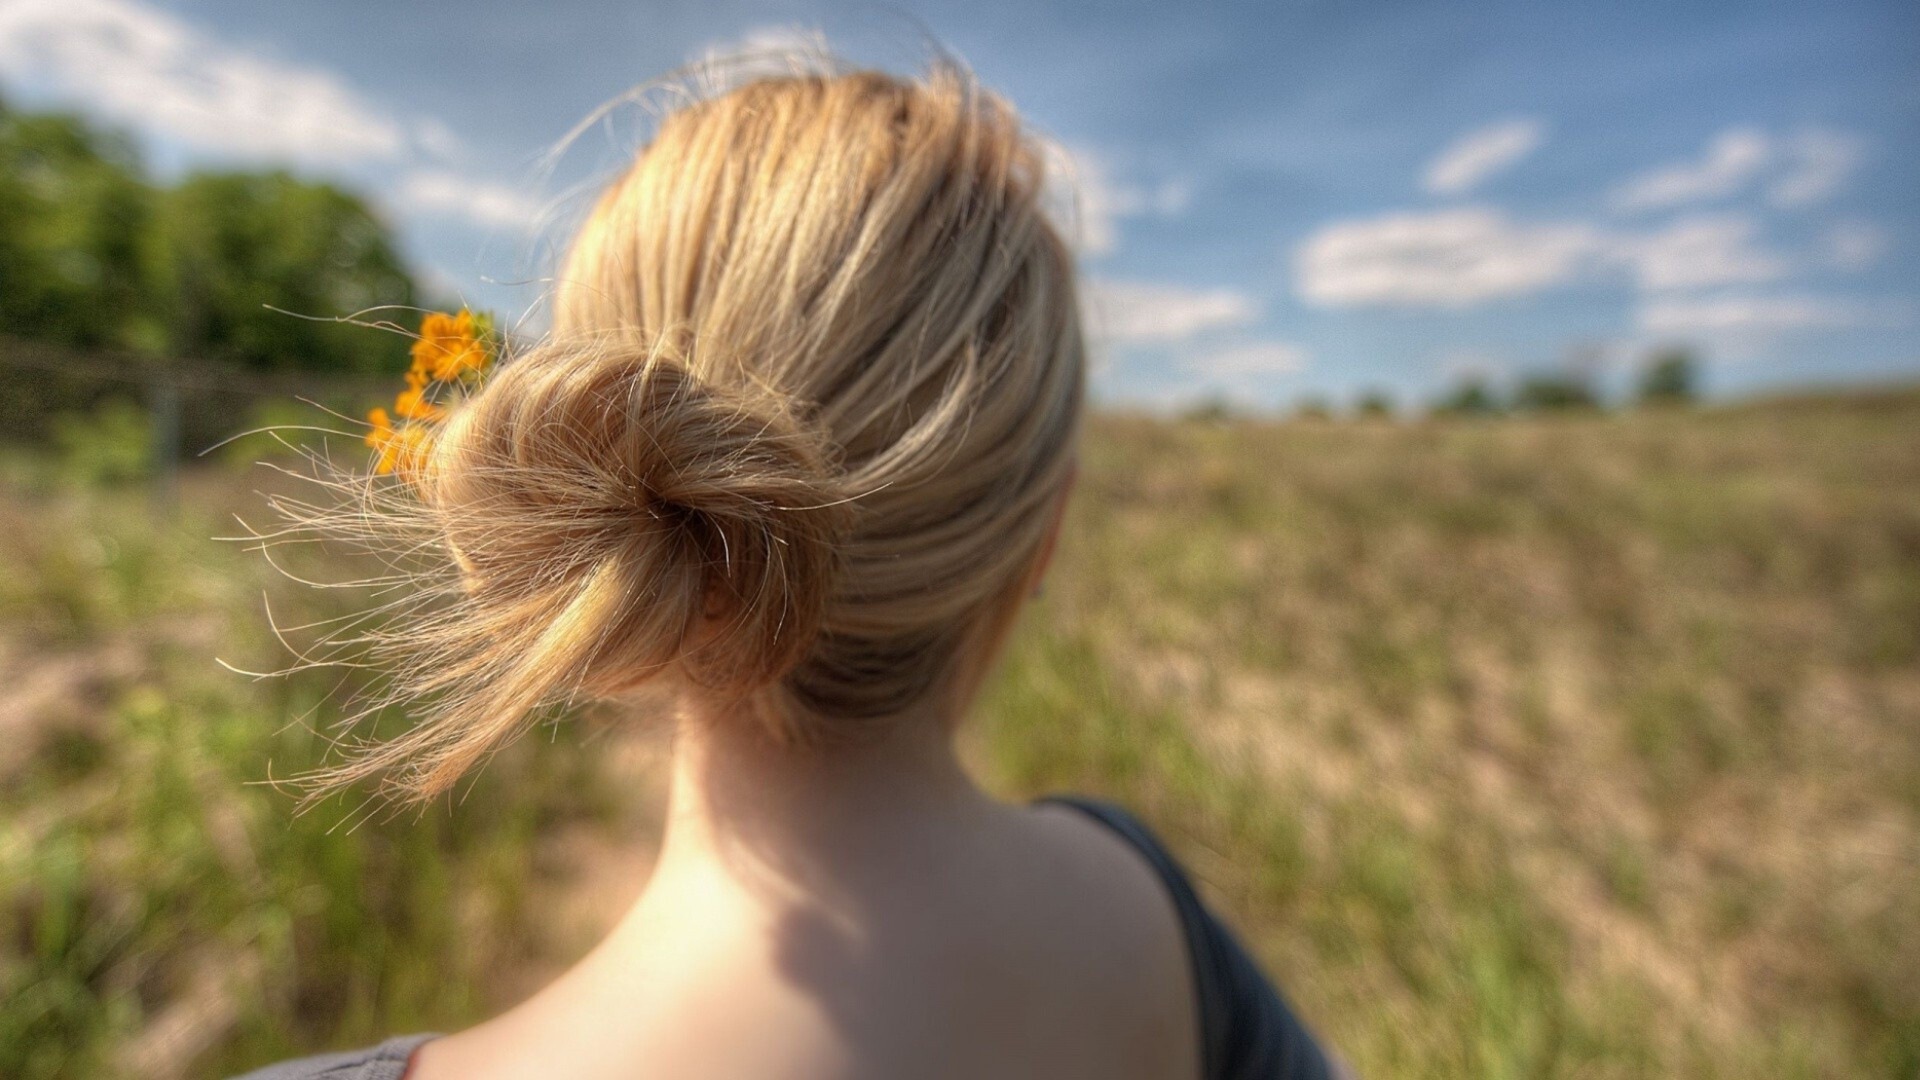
(1274, 200)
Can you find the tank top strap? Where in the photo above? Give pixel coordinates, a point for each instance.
(1247, 1030)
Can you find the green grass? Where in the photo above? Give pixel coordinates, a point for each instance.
(151, 885)
(1582, 747)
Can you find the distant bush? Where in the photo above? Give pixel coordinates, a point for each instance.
(1556, 392)
(1472, 397)
(1312, 408)
(1669, 378)
(1374, 405)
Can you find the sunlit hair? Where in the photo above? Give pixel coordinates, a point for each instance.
(790, 450)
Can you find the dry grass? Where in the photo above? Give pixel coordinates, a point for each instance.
(1577, 747)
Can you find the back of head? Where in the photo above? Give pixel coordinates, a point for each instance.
(792, 445)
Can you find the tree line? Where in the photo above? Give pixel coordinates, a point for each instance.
(96, 254)
(1669, 377)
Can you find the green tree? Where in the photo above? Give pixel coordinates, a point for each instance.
(92, 255)
(1374, 405)
(1471, 397)
(1671, 377)
(1554, 392)
(238, 245)
(76, 235)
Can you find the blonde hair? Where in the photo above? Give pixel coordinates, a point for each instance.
(793, 444)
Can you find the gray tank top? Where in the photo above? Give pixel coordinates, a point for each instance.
(388, 1061)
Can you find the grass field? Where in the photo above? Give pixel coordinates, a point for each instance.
(1581, 746)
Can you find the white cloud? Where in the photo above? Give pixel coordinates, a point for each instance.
(1455, 259)
(1752, 316)
(1089, 201)
(142, 66)
(1805, 168)
(1730, 162)
(439, 283)
(1698, 252)
(1854, 245)
(1477, 156)
(1250, 371)
(769, 38)
(1819, 163)
(770, 49)
(438, 140)
(1248, 361)
(1139, 313)
(1447, 259)
(434, 193)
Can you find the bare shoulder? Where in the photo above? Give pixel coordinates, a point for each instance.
(1114, 913)
(1039, 944)
(1089, 861)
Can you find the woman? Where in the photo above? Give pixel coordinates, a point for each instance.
(793, 456)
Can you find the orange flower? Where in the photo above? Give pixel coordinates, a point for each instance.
(382, 427)
(450, 346)
(381, 437)
(412, 404)
(410, 449)
(403, 449)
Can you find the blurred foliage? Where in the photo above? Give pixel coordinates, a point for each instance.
(112, 444)
(1666, 377)
(94, 254)
(1374, 405)
(78, 235)
(272, 430)
(1549, 391)
(1471, 397)
(106, 278)
(236, 243)
(1670, 377)
(1313, 407)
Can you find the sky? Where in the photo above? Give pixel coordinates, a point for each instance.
(1272, 202)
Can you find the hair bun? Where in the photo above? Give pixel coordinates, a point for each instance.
(708, 515)
(618, 519)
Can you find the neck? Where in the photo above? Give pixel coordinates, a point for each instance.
(812, 822)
